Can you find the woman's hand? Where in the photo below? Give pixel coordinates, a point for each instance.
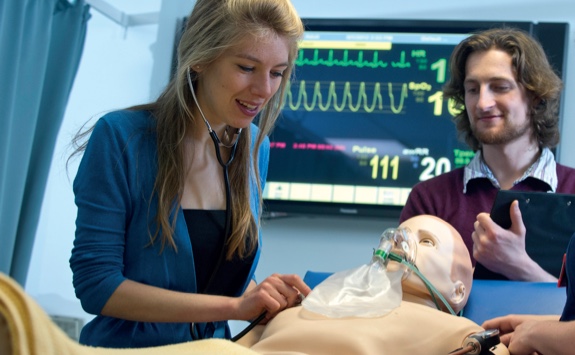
(272, 296)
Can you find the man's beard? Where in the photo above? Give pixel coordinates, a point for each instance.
(505, 135)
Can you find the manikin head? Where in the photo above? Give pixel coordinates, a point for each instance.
(442, 258)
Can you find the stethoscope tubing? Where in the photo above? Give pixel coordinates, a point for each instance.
(228, 224)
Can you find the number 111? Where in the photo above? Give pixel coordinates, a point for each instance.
(386, 165)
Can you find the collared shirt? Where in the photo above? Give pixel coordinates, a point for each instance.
(543, 169)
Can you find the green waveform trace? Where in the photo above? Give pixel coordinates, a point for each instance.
(402, 63)
(345, 61)
(346, 101)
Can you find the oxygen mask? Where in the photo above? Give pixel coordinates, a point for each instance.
(399, 246)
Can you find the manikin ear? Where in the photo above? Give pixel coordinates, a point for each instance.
(458, 294)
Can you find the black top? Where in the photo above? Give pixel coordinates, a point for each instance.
(206, 230)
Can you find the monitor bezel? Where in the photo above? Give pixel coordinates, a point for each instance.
(276, 208)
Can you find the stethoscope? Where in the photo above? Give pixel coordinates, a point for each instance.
(217, 144)
(225, 165)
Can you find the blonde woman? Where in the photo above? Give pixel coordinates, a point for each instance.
(169, 193)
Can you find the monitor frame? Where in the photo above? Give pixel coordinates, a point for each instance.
(553, 36)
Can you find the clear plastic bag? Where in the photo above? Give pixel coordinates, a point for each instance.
(367, 291)
(371, 290)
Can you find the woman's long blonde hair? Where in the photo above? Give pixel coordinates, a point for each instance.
(212, 28)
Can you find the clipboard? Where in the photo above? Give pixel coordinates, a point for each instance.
(549, 220)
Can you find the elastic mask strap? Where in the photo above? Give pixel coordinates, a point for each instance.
(432, 290)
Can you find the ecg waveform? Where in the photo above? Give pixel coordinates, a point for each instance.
(346, 61)
(345, 100)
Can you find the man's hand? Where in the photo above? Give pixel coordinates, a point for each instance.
(503, 250)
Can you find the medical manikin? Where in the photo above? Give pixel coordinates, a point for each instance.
(333, 319)
(386, 307)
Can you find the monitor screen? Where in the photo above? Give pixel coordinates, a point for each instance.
(364, 117)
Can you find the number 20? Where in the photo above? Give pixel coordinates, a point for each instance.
(432, 168)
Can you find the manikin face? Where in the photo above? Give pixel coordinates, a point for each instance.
(497, 105)
(233, 90)
(442, 258)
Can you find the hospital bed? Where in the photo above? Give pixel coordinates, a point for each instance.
(493, 298)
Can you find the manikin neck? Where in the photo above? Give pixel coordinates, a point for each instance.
(423, 299)
(419, 300)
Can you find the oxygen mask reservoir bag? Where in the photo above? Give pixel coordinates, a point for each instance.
(371, 290)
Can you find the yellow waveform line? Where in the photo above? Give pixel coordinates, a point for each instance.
(347, 98)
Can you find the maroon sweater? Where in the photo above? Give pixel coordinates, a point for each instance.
(443, 197)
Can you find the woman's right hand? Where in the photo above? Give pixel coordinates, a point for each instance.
(273, 295)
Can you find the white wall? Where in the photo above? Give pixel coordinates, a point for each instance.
(119, 69)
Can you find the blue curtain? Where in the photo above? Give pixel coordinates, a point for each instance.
(41, 42)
